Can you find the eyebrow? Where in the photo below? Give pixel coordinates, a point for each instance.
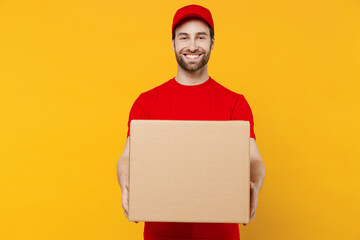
(198, 33)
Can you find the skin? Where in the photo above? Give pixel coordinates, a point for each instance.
(193, 36)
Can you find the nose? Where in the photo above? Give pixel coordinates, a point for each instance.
(193, 45)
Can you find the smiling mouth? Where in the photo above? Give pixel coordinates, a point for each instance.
(192, 56)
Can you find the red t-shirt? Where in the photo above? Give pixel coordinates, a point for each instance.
(206, 101)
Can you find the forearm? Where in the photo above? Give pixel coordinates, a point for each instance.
(257, 173)
(123, 171)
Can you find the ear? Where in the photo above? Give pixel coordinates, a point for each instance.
(212, 43)
(173, 44)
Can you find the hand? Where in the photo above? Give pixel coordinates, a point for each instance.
(253, 200)
(125, 201)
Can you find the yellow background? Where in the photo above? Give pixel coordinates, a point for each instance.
(71, 70)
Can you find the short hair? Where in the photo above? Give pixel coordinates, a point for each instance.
(210, 30)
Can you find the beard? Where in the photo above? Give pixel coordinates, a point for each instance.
(193, 66)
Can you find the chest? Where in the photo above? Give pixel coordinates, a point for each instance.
(190, 106)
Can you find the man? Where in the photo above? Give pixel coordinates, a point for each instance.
(193, 95)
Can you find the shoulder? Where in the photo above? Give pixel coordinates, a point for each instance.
(226, 92)
(155, 91)
(235, 99)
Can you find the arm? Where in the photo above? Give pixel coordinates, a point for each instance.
(123, 167)
(257, 167)
(123, 177)
(257, 174)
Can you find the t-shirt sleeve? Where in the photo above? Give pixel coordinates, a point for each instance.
(242, 111)
(137, 111)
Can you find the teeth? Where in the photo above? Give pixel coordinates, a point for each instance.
(192, 56)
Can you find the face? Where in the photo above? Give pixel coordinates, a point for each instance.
(192, 44)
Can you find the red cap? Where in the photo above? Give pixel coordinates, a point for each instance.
(193, 11)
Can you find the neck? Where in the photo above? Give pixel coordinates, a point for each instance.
(192, 78)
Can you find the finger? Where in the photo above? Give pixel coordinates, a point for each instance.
(253, 215)
(126, 213)
(125, 207)
(253, 200)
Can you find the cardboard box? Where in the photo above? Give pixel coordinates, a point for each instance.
(189, 171)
